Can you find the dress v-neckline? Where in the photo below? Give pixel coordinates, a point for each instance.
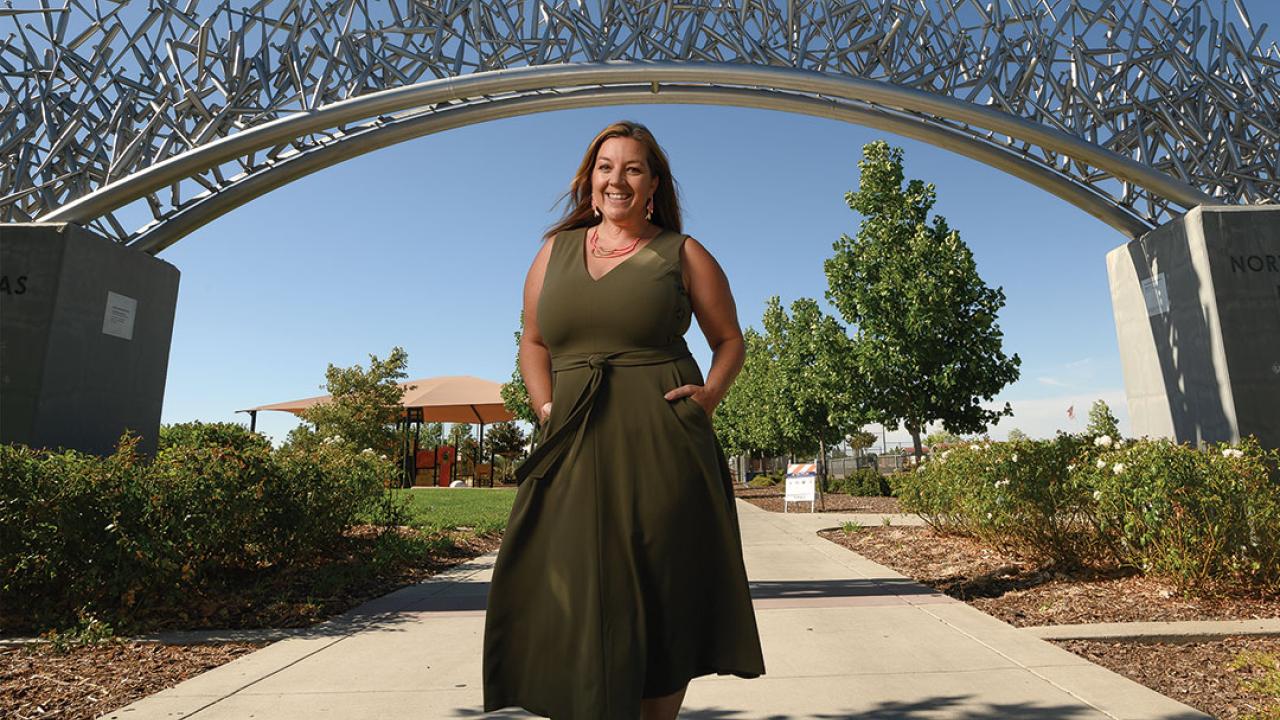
(582, 252)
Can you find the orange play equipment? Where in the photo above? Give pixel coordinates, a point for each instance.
(435, 467)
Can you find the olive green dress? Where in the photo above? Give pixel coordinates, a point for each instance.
(620, 575)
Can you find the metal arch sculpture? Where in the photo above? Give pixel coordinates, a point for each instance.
(1130, 109)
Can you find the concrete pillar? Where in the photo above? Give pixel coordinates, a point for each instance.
(85, 326)
(1197, 309)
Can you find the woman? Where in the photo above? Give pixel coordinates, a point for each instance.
(620, 576)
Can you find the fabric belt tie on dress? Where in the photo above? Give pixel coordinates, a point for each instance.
(554, 446)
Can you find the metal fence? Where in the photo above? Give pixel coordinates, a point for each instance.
(837, 467)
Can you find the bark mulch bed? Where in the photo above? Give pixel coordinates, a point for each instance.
(1024, 591)
(1235, 678)
(770, 498)
(86, 681)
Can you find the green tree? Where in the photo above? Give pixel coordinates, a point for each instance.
(515, 396)
(1016, 435)
(1101, 421)
(503, 442)
(364, 406)
(432, 435)
(504, 438)
(812, 401)
(941, 437)
(744, 420)
(792, 395)
(461, 438)
(459, 434)
(860, 440)
(926, 342)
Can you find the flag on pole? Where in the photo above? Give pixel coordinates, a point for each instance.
(1071, 413)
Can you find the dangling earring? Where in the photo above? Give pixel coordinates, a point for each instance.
(595, 209)
(649, 214)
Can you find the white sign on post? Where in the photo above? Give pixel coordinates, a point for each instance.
(801, 479)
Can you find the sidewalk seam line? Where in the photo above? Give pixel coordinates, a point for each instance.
(924, 608)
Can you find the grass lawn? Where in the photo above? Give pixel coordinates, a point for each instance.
(484, 510)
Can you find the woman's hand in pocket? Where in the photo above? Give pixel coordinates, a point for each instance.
(697, 393)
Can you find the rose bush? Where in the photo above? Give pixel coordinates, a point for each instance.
(1197, 517)
(1016, 495)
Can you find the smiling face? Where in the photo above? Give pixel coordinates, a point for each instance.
(621, 181)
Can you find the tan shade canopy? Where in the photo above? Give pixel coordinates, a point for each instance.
(448, 398)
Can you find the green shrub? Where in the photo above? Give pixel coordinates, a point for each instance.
(769, 479)
(221, 434)
(65, 520)
(83, 534)
(1199, 518)
(319, 493)
(862, 482)
(211, 493)
(1015, 495)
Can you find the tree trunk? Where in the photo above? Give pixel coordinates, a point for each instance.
(822, 463)
(915, 439)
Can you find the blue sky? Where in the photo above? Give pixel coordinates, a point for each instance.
(425, 245)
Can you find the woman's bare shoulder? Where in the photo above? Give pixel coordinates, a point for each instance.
(693, 251)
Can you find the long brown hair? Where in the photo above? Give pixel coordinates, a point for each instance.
(666, 202)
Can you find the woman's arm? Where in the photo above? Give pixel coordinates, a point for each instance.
(535, 359)
(717, 315)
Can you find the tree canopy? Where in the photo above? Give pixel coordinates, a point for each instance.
(926, 342)
(1101, 421)
(515, 396)
(365, 404)
(814, 403)
(743, 420)
(793, 394)
(504, 438)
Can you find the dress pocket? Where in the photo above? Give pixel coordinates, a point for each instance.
(695, 408)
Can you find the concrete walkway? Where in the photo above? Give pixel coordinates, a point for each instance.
(843, 637)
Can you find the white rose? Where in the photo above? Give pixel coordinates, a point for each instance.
(1102, 441)
(1117, 468)
(367, 451)
(1071, 468)
(1015, 457)
(1101, 463)
(1097, 494)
